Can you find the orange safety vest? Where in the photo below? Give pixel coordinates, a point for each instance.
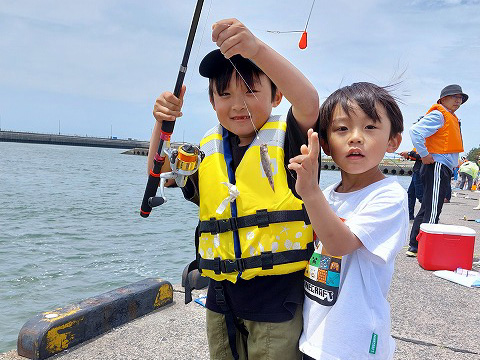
(448, 139)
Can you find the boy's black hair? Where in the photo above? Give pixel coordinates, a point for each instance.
(366, 95)
(219, 69)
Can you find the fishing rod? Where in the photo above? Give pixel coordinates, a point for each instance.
(186, 159)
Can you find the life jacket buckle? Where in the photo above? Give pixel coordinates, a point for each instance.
(217, 268)
(233, 224)
(267, 260)
(213, 226)
(232, 265)
(262, 218)
(219, 296)
(229, 224)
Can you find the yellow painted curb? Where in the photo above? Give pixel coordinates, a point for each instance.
(51, 332)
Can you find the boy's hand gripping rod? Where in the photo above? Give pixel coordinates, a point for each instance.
(149, 198)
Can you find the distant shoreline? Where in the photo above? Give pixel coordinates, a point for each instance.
(139, 147)
(72, 140)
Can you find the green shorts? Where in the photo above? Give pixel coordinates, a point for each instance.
(265, 340)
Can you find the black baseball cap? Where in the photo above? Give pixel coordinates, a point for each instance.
(215, 64)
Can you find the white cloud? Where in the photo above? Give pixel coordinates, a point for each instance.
(114, 57)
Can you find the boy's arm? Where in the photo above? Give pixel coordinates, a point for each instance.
(335, 236)
(167, 108)
(233, 38)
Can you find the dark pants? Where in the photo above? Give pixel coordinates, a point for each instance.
(436, 180)
(466, 178)
(415, 191)
(448, 196)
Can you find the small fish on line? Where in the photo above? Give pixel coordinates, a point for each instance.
(266, 164)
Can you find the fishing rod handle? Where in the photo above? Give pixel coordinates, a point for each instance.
(154, 176)
(150, 191)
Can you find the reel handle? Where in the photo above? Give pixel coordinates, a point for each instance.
(156, 201)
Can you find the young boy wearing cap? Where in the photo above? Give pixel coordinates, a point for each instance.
(253, 239)
(438, 141)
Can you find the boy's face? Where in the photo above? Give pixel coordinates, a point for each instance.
(237, 101)
(357, 143)
(452, 102)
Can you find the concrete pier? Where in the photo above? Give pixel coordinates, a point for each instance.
(432, 318)
(57, 139)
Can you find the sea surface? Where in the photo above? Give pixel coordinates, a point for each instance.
(70, 228)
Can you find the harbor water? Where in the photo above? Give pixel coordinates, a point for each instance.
(70, 228)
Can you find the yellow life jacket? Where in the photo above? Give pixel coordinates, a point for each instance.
(448, 139)
(261, 232)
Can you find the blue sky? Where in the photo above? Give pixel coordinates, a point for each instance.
(96, 67)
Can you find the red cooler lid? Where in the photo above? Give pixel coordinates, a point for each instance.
(447, 229)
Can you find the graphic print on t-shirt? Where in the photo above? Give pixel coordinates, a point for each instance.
(322, 276)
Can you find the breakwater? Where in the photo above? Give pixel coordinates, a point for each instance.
(73, 140)
(387, 166)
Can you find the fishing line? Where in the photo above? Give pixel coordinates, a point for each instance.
(231, 62)
(199, 46)
(310, 14)
(302, 44)
(266, 30)
(238, 72)
(394, 163)
(251, 120)
(250, 115)
(248, 87)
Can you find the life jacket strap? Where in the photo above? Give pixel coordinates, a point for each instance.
(231, 320)
(262, 218)
(188, 287)
(266, 260)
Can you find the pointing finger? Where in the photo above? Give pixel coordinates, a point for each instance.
(314, 145)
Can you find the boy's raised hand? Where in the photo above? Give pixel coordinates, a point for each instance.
(306, 166)
(168, 107)
(232, 37)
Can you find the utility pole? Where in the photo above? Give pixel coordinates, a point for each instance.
(111, 131)
(58, 126)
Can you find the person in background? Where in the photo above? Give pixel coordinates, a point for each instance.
(468, 172)
(456, 175)
(415, 189)
(438, 140)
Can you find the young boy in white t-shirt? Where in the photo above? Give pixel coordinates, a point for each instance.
(361, 224)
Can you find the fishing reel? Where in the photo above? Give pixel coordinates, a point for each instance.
(184, 161)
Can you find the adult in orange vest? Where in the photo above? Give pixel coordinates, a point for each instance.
(438, 141)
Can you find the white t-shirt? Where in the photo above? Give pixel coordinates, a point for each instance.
(346, 313)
